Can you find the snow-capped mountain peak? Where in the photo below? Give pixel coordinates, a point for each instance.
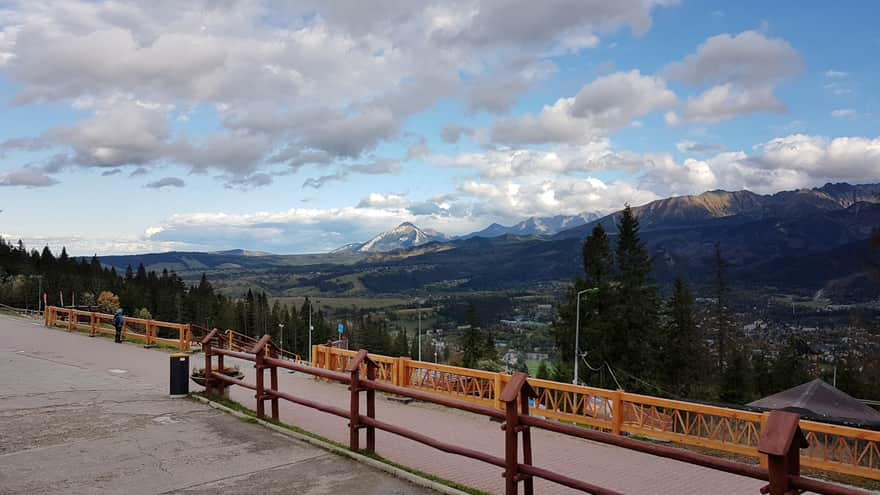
(404, 236)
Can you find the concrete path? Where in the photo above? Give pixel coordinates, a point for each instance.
(77, 417)
(611, 467)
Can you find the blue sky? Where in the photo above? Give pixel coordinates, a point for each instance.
(130, 127)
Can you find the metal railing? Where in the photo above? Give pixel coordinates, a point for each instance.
(833, 448)
(780, 441)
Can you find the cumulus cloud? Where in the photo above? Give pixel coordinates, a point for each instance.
(742, 72)
(307, 80)
(166, 182)
(842, 113)
(378, 167)
(294, 230)
(26, 177)
(377, 200)
(88, 246)
(609, 102)
(788, 162)
(688, 146)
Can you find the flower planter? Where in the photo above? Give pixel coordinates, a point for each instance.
(199, 379)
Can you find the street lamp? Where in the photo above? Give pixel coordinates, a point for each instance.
(281, 331)
(577, 331)
(420, 329)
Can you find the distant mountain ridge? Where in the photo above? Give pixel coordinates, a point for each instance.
(540, 226)
(736, 206)
(404, 236)
(807, 241)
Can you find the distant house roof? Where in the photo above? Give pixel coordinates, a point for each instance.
(821, 400)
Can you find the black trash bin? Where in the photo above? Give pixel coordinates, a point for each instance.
(179, 375)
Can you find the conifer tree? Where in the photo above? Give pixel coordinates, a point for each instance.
(722, 311)
(678, 354)
(636, 309)
(473, 345)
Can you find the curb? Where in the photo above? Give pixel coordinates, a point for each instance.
(394, 471)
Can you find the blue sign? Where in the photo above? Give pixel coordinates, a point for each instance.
(340, 328)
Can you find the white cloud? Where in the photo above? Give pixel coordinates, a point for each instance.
(688, 146)
(836, 74)
(842, 113)
(784, 163)
(742, 72)
(26, 177)
(377, 200)
(166, 182)
(301, 78)
(609, 102)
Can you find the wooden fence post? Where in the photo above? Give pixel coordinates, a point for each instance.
(354, 408)
(258, 365)
(206, 346)
(354, 368)
(371, 407)
(516, 393)
(781, 442)
(496, 395)
(529, 483)
(617, 413)
(273, 382)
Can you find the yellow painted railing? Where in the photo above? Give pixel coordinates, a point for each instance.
(833, 448)
(146, 331)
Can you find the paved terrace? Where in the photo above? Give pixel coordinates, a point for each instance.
(58, 365)
(71, 423)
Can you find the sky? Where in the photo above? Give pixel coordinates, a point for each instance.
(301, 126)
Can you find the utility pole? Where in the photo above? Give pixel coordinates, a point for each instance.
(577, 331)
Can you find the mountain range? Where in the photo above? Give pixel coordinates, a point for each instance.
(802, 241)
(404, 236)
(540, 226)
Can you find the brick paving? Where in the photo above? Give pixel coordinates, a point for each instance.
(611, 467)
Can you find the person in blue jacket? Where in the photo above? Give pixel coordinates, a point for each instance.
(117, 322)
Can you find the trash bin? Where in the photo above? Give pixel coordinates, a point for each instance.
(179, 375)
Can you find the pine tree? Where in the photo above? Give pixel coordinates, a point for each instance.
(678, 353)
(789, 369)
(473, 345)
(722, 313)
(598, 262)
(737, 377)
(401, 346)
(543, 373)
(636, 309)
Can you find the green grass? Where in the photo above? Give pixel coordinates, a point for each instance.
(252, 418)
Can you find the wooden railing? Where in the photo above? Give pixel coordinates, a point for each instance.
(780, 440)
(150, 332)
(833, 448)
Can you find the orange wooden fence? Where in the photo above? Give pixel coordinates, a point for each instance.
(833, 448)
(780, 442)
(150, 332)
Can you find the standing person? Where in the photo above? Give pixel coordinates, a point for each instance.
(117, 322)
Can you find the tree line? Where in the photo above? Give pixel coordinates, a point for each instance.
(632, 338)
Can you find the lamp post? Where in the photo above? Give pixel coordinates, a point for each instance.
(420, 330)
(310, 331)
(281, 332)
(577, 331)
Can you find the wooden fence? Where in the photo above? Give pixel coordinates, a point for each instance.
(832, 448)
(150, 332)
(780, 441)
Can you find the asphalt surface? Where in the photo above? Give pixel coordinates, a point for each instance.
(77, 416)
